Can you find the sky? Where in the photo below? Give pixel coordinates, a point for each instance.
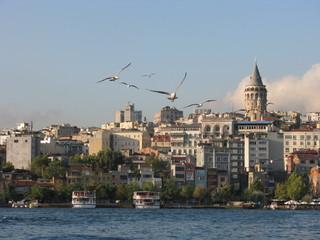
(53, 52)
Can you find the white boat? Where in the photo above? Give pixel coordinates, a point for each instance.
(83, 199)
(146, 199)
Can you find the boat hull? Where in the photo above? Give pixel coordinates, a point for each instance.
(147, 206)
(84, 206)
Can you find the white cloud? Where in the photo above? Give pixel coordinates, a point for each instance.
(287, 93)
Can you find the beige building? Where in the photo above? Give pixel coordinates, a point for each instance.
(132, 140)
(168, 115)
(299, 140)
(22, 149)
(101, 140)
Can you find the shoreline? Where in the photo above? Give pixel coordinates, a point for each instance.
(176, 206)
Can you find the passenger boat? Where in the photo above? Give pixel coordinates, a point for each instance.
(83, 199)
(146, 199)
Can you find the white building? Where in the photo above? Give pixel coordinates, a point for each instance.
(217, 127)
(262, 145)
(184, 138)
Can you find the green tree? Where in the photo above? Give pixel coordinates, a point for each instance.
(199, 193)
(55, 169)
(148, 186)
(281, 191)
(296, 186)
(36, 193)
(169, 190)
(130, 188)
(186, 192)
(39, 165)
(121, 193)
(223, 195)
(8, 167)
(256, 186)
(159, 167)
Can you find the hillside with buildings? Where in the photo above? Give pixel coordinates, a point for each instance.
(205, 157)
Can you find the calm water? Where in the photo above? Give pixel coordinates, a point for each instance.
(157, 224)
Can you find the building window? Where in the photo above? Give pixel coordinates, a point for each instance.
(16, 140)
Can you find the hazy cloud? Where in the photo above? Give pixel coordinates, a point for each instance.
(11, 115)
(287, 93)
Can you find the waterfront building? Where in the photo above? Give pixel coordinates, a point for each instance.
(300, 139)
(302, 161)
(200, 177)
(314, 177)
(216, 179)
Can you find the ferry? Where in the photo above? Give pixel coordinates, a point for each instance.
(83, 199)
(146, 199)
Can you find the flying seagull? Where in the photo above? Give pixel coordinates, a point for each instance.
(129, 85)
(115, 76)
(200, 104)
(173, 95)
(148, 75)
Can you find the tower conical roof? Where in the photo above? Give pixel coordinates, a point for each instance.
(255, 78)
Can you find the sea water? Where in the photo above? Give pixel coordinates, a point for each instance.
(107, 223)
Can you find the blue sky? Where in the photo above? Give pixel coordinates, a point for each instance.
(53, 52)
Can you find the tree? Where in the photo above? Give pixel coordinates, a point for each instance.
(223, 195)
(121, 193)
(148, 186)
(187, 191)
(256, 186)
(199, 193)
(296, 186)
(55, 169)
(169, 190)
(130, 188)
(8, 167)
(256, 192)
(36, 193)
(281, 191)
(39, 164)
(159, 167)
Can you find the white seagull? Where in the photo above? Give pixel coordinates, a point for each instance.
(129, 85)
(148, 75)
(115, 76)
(200, 104)
(173, 95)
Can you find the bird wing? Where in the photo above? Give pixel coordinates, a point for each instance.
(134, 86)
(209, 100)
(161, 92)
(193, 104)
(124, 83)
(126, 66)
(184, 78)
(108, 78)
